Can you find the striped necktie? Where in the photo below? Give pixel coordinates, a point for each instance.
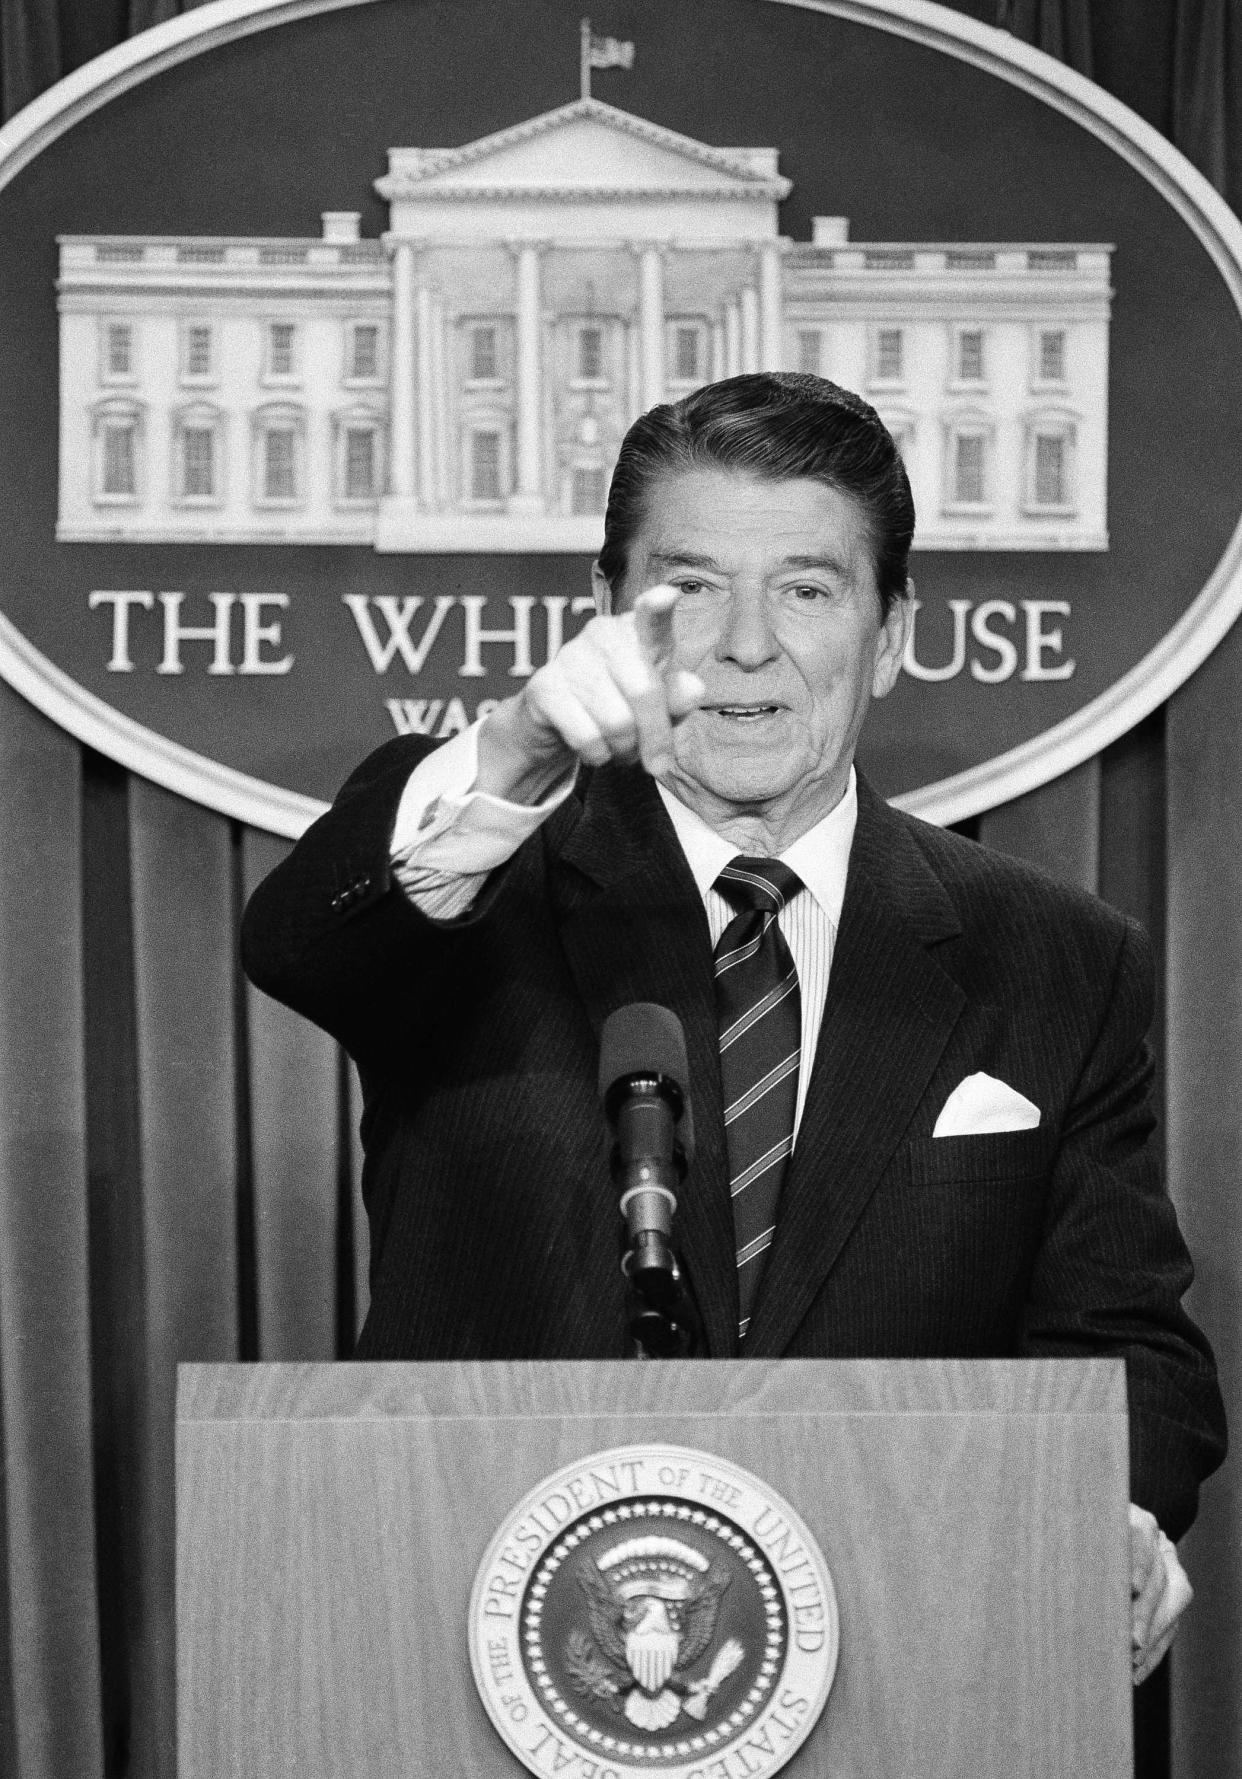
(760, 1013)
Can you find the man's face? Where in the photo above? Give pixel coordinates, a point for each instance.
(779, 616)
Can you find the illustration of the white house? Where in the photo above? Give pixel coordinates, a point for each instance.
(464, 382)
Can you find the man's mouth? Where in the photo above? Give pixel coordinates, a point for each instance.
(745, 713)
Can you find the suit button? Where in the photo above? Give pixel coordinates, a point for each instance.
(352, 892)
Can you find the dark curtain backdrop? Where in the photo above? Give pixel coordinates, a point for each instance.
(177, 1158)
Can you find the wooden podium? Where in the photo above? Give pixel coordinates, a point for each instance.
(331, 1519)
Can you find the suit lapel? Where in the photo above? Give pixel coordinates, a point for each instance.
(633, 928)
(889, 1013)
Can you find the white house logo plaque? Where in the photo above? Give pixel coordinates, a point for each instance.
(653, 1609)
(314, 451)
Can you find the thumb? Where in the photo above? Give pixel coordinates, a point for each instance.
(685, 692)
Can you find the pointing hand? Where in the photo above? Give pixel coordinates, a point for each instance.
(612, 693)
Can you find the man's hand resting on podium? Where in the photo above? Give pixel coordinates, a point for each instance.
(1160, 1590)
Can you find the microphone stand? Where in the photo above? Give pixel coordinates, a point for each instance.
(642, 1069)
(664, 1319)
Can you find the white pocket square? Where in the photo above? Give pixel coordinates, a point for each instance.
(981, 1103)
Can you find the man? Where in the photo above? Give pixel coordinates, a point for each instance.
(920, 1085)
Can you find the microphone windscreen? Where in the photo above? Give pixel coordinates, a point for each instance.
(642, 1039)
(647, 1039)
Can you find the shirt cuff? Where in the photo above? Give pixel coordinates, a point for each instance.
(447, 837)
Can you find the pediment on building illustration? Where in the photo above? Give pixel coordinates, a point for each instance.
(585, 149)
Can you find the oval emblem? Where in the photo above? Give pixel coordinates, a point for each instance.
(314, 452)
(653, 1609)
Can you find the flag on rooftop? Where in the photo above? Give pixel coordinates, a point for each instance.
(602, 52)
(611, 52)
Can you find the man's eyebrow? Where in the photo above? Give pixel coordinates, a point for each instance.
(689, 559)
(833, 562)
(683, 559)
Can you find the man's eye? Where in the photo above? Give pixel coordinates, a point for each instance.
(808, 592)
(690, 585)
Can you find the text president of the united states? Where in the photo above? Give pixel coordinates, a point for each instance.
(921, 1087)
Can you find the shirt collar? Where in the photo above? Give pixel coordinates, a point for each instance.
(821, 857)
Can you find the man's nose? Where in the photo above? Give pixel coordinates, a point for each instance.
(747, 637)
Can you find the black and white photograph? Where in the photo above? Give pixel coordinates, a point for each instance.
(619, 747)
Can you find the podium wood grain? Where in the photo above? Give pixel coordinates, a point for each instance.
(331, 1518)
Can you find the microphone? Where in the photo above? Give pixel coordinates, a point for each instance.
(642, 1075)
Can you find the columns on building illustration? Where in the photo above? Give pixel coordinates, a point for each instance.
(719, 359)
(402, 392)
(425, 428)
(746, 335)
(419, 448)
(440, 416)
(528, 494)
(416, 375)
(750, 328)
(651, 322)
(771, 353)
(751, 324)
(733, 338)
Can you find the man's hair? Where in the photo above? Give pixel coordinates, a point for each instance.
(775, 424)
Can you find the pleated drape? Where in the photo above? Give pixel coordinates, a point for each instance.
(178, 1156)
(1061, 28)
(50, 1660)
(178, 1180)
(1168, 849)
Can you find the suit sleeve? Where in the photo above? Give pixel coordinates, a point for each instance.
(1112, 1266)
(331, 933)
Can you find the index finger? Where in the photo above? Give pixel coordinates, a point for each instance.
(653, 619)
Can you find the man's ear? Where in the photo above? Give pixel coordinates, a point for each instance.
(891, 643)
(601, 590)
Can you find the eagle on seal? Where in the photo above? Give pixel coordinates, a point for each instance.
(652, 1604)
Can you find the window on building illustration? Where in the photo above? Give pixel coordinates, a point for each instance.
(118, 470)
(1050, 445)
(116, 452)
(810, 351)
(484, 358)
(119, 349)
(968, 469)
(889, 354)
(280, 464)
(280, 349)
(364, 352)
(485, 466)
(970, 355)
(588, 489)
(198, 462)
(360, 478)
(198, 350)
(1051, 487)
(591, 353)
(1052, 355)
(686, 365)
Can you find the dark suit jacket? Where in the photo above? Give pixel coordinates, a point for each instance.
(494, 1224)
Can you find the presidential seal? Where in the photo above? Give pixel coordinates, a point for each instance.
(653, 1609)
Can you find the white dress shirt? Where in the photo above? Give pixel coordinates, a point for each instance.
(448, 837)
